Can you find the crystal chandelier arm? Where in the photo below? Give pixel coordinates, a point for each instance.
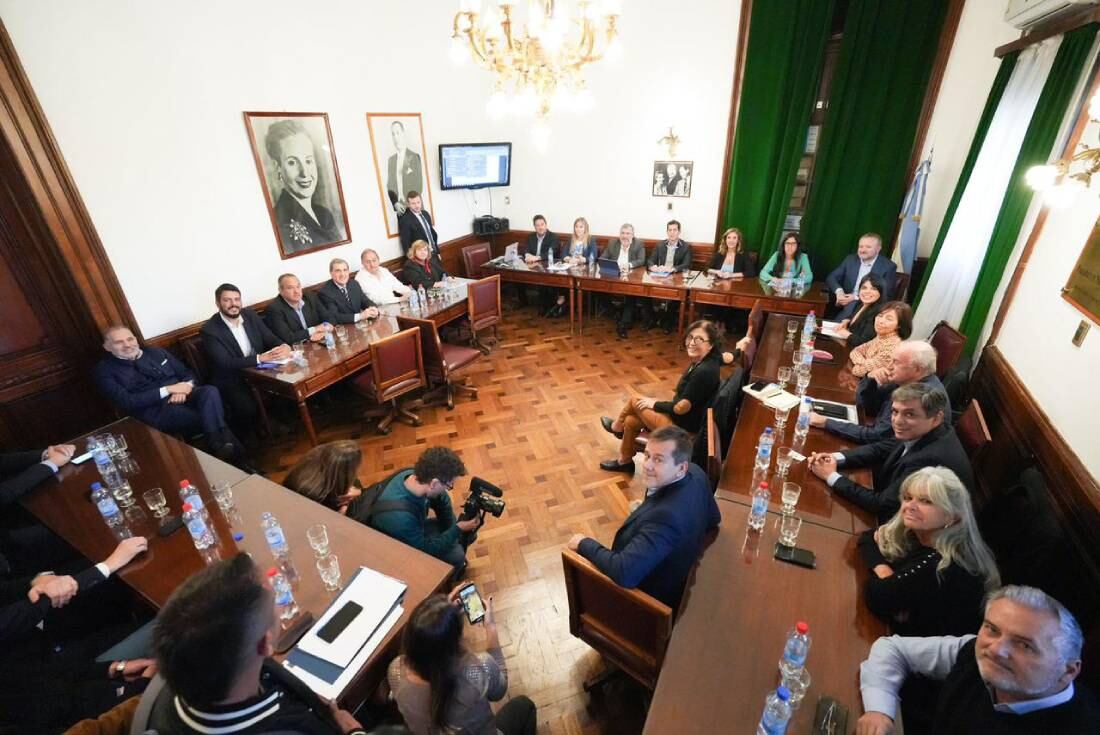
(588, 42)
(475, 38)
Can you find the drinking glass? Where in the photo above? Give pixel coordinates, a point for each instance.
(783, 459)
(123, 494)
(318, 539)
(803, 383)
(110, 443)
(797, 684)
(789, 526)
(223, 495)
(790, 494)
(781, 415)
(121, 448)
(792, 327)
(784, 377)
(342, 333)
(155, 500)
(796, 358)
(329, 568)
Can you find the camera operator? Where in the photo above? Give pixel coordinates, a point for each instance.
(401, 511)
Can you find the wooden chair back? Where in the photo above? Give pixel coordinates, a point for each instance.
(626, 626)
(972, 430)
(475, 256)
(194, 356)
(949, 343)
(901, 287)
(431, 347)
(756, 320)
(714, 451)
(748, 355)
(397, 363)
(483, 302)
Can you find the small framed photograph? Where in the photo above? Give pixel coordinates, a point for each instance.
(296, 162)
(672, 178)
(400, 163)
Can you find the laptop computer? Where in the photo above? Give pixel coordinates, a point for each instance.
(511, 252)
(609, 267)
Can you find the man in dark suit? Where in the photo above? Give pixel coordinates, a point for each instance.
(295, 316)
(868, 258)
(154, 387)
(660, 541)
(673, 255)
(404, 173)
(234, 339)
(22, 471)
(921, 439)
(343, 298)
(914, 361)
(628, 253)
(540, 244)
(416, 224)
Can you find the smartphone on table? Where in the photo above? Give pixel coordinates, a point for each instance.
(472, 603)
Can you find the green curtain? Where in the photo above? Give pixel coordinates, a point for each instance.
(782, 70)
(1038, 141)
(859, 180)
(1004, 73)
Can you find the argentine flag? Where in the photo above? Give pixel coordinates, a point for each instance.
(905, 249)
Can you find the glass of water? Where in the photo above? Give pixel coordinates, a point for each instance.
(155, 500)
(792, 327)
(342, 333)
(223, 495)
(121, 447)
(318, 539)
(784, 377)
(797, 684)
(796, 358)
(123, 494)
(803, 383)
(791, 493)
(329, 568)
(781, 419)
(783, 461)
(789, 526)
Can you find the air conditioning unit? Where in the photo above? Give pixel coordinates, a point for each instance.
(1024, 14)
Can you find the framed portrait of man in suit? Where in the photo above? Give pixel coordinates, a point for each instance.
(400, 163)
(672, 178)
(296, 162)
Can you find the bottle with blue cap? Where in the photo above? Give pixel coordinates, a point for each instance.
(106, 504)
(777, 713)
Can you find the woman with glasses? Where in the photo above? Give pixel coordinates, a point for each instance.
(688, 406)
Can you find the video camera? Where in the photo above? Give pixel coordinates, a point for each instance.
(484, 498)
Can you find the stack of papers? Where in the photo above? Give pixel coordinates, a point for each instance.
(829, 329)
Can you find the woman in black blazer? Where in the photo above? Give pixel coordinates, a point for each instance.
(929, 566)
(860, 327)
(729, 261)
(419, 269)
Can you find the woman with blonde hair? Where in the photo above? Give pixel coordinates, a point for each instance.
(930, 567)
(328, 474)
(581, 247)
(419, 269)
(728, 260)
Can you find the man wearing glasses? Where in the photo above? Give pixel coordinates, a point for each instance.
(401, 511)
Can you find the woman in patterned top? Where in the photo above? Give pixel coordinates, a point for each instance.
(443, 689)
(892, 325)
(930, 567)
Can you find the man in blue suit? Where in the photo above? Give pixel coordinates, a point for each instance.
(659, 543)
(157, 389)
(844, 281)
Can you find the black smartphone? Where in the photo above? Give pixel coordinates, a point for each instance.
(170, 525)
(758, 386)
(795, 555)
(342, 619)
(472, 603)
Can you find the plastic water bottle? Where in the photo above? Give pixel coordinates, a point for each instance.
(423, 297)
(273, 533)
(802, 424)
(810, 325)
(414, 300)
(108, 470)
(758, 513)
(284, 595)
(799, 283)
(794, 653)
(106, 504)
(764, 449)
(591, 264)
(196, 526)
(190, 494)
(777, 713)
(330, 338)
(550, 257)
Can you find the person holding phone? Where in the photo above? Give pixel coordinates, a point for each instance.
(440, 686)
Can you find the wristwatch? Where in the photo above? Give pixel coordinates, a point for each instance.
(119, 669)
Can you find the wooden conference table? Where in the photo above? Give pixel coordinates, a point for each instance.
(326, 367)
(830, 381)
(743, 293)
(64, 506)
(722, 659)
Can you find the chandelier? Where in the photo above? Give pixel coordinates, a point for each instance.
(1061, 181)
(541, 64)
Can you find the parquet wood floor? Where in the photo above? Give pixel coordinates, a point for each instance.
(534, 431)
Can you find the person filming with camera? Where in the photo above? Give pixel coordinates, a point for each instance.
(401, 510)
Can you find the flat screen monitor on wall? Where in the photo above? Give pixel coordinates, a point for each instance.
(475, 165)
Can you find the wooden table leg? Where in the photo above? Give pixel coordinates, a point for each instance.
(691, 312)
(303, 409)
(680, 330)
(580, 311)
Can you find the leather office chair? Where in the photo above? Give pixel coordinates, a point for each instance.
(483, 309)
(441, 361)
(973, 431)
(714, 451)
(626, 626)
(475, 256)
(748, 356)
(901, 289)
(949, 343)
(756, 321)
(397, 368)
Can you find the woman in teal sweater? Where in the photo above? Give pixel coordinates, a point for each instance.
(787, 262)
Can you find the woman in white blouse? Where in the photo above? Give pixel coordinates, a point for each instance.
(378, 283)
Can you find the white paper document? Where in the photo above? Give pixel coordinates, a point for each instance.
(829, 329)
(782, 400)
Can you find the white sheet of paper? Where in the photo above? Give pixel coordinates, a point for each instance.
(796, 457)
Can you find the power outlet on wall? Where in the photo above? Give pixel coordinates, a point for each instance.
(670, 206)
(507, 200)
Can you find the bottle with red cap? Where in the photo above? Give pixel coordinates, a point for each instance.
(758, 513)
(796, 650)
(196, 526)
(190, 494)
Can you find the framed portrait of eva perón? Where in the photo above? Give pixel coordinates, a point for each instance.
(400, 163)
(296, 162)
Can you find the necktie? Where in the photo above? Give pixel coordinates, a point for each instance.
(346, 297)
(427, 230)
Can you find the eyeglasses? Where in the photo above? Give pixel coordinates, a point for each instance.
(695, 340)
(448, 486)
